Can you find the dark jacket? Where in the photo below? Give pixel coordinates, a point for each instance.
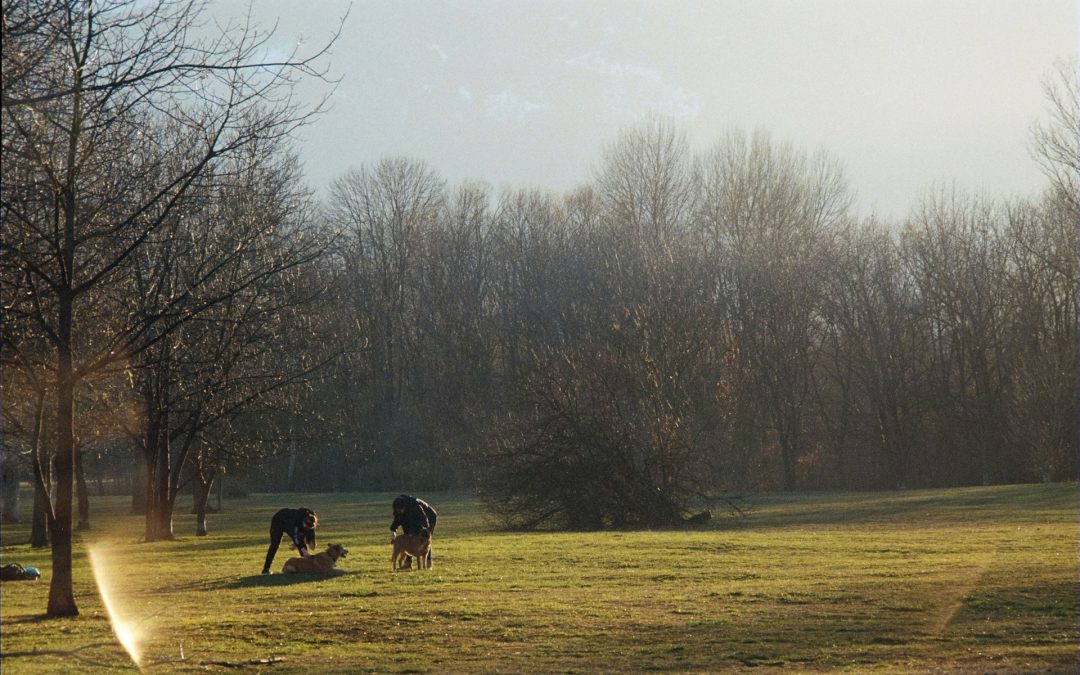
(413, 515)
(293, 523)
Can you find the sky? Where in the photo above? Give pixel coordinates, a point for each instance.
(906, 94)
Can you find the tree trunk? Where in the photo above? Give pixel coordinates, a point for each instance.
(202, 496)
(9, 490)
(39, 528)
(39, 525)
(292, 467)
(158, 480)
(158, 503)
(163, 519)
(61, 591)
(83, 495)
(139, 480)
(159, 511)
(787, 455)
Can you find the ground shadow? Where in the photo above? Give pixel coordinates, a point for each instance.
(32, 618)
(944, 506)
(270, 580)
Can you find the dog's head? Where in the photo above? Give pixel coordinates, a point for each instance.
(336, 551)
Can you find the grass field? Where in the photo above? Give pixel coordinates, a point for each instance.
(966, 580)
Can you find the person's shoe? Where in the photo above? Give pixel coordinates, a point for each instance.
(408, 563)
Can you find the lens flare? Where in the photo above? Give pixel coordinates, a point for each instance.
(126, 632)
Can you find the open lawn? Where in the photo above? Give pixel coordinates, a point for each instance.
(965, 580)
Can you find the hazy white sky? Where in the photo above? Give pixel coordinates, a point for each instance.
(905, 93)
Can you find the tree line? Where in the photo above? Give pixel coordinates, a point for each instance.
(179, 306)
(690, 325)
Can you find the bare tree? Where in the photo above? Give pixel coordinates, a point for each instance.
(1042, 286)
(1045, 281)
(232, 249)
(386, 213)
(603, 339)
(870, 382)
(1056, 147)
(646, 180)
(113, 113)
(954, 248)
(767, 218)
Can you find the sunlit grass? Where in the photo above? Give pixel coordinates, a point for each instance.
(981, 579)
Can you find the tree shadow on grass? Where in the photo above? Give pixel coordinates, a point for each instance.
(272, 580)
(33, 618)
(202, 544)
(943, 506)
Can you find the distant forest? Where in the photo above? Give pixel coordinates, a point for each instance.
(689, 325)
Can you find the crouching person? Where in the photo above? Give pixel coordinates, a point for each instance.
(300, 525)
(413, 516)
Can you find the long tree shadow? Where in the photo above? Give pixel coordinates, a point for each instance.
(32, 618)
(74, 652)
(271, 580)
(927, 506)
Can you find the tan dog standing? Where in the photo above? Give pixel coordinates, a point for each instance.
(416, 545)
(320, 563)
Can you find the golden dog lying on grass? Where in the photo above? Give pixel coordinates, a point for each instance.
(416, 545)
(320, 563)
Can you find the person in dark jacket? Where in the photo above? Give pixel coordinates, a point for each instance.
(413, 516)
(299, 524)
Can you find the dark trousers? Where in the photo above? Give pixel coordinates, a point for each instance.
(276, 533)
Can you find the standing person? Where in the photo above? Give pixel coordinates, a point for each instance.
(299, 524)
(413, 516)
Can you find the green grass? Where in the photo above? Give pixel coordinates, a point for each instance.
(968, 580)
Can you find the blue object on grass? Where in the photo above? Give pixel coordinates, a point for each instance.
(31, 572)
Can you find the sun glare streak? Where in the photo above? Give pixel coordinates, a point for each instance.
(126, 632)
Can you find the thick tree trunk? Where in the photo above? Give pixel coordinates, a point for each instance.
(159, 525)
(61, 591)
(158, 480)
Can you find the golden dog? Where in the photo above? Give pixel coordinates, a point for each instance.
(416, 545)
(320, 563)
